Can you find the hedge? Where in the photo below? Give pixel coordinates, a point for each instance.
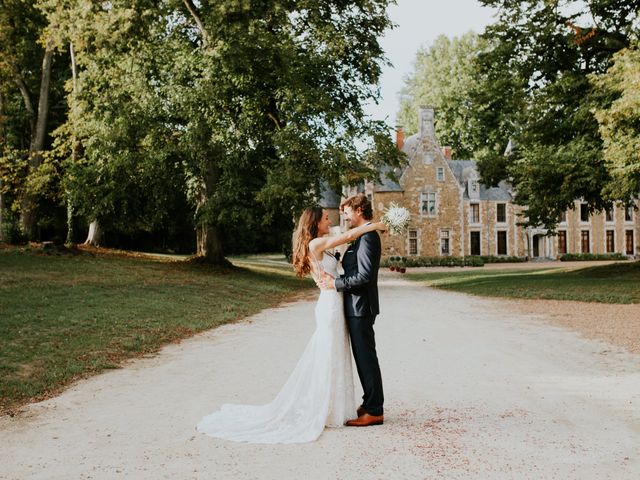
(468, 261)
(583, 257)
(471, 261)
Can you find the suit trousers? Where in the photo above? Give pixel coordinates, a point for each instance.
(363, 344)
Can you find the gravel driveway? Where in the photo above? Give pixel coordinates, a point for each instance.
(473, 392)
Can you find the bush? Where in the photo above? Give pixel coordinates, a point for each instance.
(583, 257)
(11, 232)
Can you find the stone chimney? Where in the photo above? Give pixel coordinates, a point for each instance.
(446, 151)
(399, 137)
(426, 125)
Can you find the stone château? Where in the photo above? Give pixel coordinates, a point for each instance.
(453, 213)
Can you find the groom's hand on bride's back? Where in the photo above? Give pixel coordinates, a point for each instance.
(326, 282)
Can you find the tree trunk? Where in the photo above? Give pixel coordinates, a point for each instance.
(70, 232)
(3, 141)
(74, 146)
(1, 214)
(28, 203)
(210, 248)
(209, 239)
(95, 235)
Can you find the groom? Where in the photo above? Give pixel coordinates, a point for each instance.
(359, 283)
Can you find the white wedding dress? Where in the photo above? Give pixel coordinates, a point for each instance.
(318, 393)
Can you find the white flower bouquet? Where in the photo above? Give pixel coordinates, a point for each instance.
(396, 219)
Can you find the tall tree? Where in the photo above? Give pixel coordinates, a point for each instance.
(26, 70)
(443, 76)
(122, 169)
(284, 83)
(620, 123)
(543, 53)
(253, 101)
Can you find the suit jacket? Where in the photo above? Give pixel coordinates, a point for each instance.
(359, 283)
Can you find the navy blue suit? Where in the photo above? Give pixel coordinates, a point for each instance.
(359, 283)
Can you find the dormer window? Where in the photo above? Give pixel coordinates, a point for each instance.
(563, 219)
(628, 214)
(608, 214)
(584, 212)
(473, 187)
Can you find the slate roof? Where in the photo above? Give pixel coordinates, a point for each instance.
(461, 169)
(387, 184)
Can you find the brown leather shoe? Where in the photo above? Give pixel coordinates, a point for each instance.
(361, 411)
(366, 420)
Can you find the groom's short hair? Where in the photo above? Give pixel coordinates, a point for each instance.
(359, 202)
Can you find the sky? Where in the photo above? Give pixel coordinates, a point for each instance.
(419, 23)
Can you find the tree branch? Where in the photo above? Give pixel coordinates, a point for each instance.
(28, 104)
(193, 10)
(43, 100)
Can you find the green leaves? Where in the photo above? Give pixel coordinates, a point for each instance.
(227, 113)
(535, 80)
(541, 58)
(619, 123)
(444, 77)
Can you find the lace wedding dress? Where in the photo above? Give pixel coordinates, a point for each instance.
(318, 393)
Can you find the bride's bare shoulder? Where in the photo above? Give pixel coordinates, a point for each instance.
(316, 245)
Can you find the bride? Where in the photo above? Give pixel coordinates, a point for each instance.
(319, 391)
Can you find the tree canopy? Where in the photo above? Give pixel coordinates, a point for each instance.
(443, 77)
(619, 123)
(547, 78)
(228, 113)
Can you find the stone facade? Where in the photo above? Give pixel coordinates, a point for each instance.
(454, 214)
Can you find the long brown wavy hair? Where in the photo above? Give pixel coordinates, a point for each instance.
(306, 231)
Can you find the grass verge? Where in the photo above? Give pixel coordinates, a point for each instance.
(63, 317)
(614, 283)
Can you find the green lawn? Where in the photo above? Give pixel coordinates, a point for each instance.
(614, 283)
(67, 316)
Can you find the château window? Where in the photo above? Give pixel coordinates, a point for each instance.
(584, 241)
(475, 243)
(502, 243)
(629, 242)
(562, 242)
(413, 242)
(440, 174)
(444, 242)
(474, 213)
(428, 203)
(611, 244)
(501, 213)
(584, 212)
